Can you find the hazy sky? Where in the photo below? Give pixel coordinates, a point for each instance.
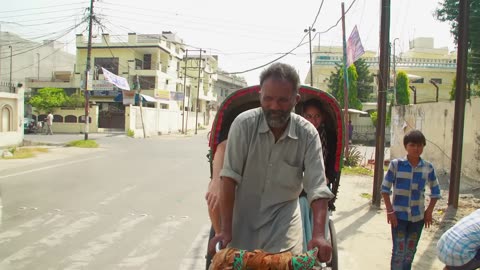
(244, 34)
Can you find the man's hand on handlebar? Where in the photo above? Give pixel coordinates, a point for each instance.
(223, 238)
(324, 248)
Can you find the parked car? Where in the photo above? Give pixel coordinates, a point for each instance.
(28, 125)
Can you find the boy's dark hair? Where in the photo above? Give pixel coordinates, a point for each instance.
(414, 136)
(281, 71)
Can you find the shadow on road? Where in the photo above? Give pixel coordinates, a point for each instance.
(356, 224)
(448, 220)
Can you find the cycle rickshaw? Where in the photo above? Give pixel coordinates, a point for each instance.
(248, 98)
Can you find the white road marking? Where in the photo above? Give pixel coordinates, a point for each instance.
(195, 258)
(84, 257)
(48, 167)
(152, 246)
(114, 196)
(25, 256)
(28, 226)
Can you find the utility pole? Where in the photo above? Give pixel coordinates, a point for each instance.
(310, 30)
(140, 103)
(345, 84)
(381, 101)
(11, 62)
(184, 91)
(198, 90)
(394, 75)
(460, 99)
(87, 70)
(38, 66)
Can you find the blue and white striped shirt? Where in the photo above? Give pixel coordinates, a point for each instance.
(460, 244)
(409, 187)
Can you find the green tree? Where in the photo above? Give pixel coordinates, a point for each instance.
(454, 87)
(365, 80)
(403, 93)
(74, 101)
(447, 11)
(337, 90)
(47, 99)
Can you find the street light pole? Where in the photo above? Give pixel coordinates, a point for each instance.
(11, 57)
(394, 75)
(184, 90)
(310, 30)
(198, 90)
(38, 66)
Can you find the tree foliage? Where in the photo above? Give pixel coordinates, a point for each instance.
(403, 93)
(364, 83)
(447, 11)
(336, 87)
(47, 99)
(454, 87)
(75, 101)
(365, 80)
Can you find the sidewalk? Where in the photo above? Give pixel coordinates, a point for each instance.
(364, 237)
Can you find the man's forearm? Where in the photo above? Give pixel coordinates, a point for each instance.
(227, 200)
(319, 209)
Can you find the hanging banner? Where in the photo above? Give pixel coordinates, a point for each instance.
(354, 47)
(118, 81)
(128, 97)
(162, 94)
(177, 96)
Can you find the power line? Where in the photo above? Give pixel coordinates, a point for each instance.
(48, 43)
(44, 7)
(54, 52)
(318, 13)
(339, 20)
(40, 13)
(176, 15)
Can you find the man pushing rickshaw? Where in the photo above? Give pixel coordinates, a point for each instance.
(271, 155)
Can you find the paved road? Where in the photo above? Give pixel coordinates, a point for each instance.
(138, 204)
(134, 204)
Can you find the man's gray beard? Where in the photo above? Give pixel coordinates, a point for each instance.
(277, 122)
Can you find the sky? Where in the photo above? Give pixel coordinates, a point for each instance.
(244, 34)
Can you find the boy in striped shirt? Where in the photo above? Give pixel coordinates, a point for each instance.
(407, 215)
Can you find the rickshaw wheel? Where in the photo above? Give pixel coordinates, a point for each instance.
(333, 264)
(209, 257)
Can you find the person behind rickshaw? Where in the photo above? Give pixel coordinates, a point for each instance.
(270, 152)
(314, 113)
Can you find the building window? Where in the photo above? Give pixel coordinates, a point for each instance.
(6, 118)
(166, 82)
(110, 64)
(138, 64)
(437, 80)
(147, 61)
(147, 82)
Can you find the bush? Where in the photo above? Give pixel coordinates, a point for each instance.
(352, 157)
(83, 144)
(130, 133)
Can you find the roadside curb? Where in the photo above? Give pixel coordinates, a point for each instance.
(38, 143)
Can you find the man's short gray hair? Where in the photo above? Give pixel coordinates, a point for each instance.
(281, 71)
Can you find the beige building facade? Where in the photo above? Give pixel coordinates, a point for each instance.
(11, 117)
(422, 62)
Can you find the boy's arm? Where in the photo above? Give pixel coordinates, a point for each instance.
(387, 190)
(434, 196)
